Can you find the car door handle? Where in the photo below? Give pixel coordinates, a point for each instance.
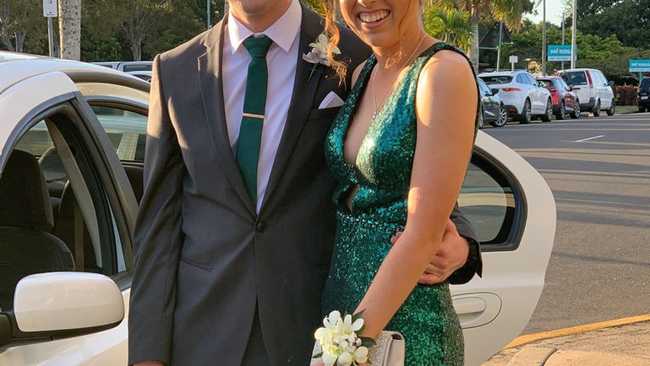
(472, 305)
(476, 309)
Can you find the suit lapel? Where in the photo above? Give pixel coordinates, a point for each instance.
(304, 90)
(211, 82)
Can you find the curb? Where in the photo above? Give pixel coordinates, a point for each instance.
(563, 332)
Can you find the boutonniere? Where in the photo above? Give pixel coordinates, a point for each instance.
(318, 53)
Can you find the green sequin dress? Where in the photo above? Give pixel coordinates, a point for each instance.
(379, 209)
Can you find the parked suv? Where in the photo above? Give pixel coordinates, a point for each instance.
(522, 95)
(644, 95)
(565, 101)
(594, 91)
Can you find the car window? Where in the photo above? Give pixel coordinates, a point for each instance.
(136, 67)
(575, 78)
(54, 215)
(500, 79)
(125, 129)
(488, 200)
(547, 83)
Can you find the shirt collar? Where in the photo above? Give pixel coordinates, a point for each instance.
(283, 32)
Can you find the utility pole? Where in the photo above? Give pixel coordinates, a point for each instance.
(499, 46)
(209, 14)
(563, 15)
(574, 53)
(543, 37)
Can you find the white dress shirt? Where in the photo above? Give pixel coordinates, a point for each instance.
(281, 60)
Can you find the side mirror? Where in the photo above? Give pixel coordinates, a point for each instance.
(61, 304)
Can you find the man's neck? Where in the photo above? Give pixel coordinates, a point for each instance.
(259, 22)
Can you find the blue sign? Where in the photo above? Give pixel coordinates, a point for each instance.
(640, 65)
(559, 52)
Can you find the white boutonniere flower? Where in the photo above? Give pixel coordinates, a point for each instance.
(337, 343)
(318, 53)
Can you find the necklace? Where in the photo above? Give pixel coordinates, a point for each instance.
(374, 95)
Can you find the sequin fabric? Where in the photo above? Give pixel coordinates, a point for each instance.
(381, 177)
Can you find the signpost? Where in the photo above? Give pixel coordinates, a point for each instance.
(50, 11)
(513, 60)
(559, 52)
(639, 65)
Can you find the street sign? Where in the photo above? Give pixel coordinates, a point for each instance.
(640, 65)
(559, 52)
(514, 59)
(50, 9)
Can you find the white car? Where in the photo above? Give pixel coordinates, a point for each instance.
(594, 91)
(523, 96)
(144, 75)
(72, 139)
(127, 66)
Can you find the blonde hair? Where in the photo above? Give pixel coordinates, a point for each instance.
(334, 35)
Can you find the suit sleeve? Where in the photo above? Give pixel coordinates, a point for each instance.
(158, 235)
(474, 264)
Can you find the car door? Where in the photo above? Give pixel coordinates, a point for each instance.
(513, 210)
(45, 117)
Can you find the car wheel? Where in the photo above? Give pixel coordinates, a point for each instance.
(612, 110)
(576, 110)
(596, 110)
(548, 116)
(502, 118)
(480, 118)
(525, 113)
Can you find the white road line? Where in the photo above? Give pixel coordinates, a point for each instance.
(590, 138)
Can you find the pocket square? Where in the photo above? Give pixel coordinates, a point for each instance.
(332, 100)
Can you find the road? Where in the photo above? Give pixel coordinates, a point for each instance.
(599, 172)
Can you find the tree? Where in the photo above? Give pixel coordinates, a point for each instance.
(508, 11)
(629, 20)
(70, 29)
(448, 24)
(20, 30)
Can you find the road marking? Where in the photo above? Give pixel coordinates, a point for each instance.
(563, 332)
(590, 138)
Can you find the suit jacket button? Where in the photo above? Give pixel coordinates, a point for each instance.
(259, 226)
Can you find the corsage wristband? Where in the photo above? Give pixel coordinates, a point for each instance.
(337, 342)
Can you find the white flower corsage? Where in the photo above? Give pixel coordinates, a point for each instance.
(318, 53)
(337, 343)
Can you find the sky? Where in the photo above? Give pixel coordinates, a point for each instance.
(553, 12)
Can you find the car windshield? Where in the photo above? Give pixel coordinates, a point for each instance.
(575, 78)
(497, 79)
(645, 84)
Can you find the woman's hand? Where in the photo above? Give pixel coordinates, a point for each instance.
(451, 256)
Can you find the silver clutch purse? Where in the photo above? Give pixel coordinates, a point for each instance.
(389, 350)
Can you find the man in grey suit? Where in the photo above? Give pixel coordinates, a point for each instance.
(228, 269)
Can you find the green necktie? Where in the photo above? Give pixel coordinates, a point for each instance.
(250, 133)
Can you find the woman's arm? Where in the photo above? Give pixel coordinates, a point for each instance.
(446, 111)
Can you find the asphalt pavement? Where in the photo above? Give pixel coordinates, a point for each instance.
(599, 172)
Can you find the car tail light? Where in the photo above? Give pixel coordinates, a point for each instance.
(508, 90)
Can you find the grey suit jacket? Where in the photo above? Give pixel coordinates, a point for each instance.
(204, 260)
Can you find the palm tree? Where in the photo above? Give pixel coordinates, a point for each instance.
(449, 24)
(508, 11)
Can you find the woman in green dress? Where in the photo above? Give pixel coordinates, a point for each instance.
(399, 150)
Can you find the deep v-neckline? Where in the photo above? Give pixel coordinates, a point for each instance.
(362, 84)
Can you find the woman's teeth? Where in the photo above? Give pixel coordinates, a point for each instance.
(372, 17)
